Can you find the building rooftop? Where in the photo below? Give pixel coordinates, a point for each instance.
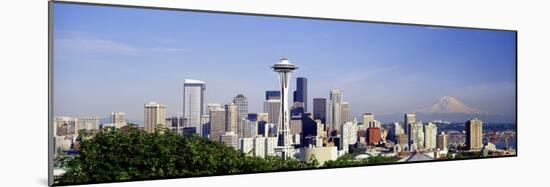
(192, 81)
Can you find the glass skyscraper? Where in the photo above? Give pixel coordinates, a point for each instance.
(193, 102)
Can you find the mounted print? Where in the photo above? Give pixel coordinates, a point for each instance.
(140, 93)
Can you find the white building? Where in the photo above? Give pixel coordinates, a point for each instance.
(334, 118)
(417, 135)
(250, 128)
(193, 103)
(88, 123)
(230, 139)
(154, 115)
(247, 146)
(118, 118)
(349, 135)
(430, 136)
(273, 108)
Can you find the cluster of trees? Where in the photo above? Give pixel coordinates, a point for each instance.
(348, 160)
(131, 154)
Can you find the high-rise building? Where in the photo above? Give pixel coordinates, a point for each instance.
(65, 126)
(87, 123)
(193, 102)
(250, 129)
(175, 123)
(409, 119)
(262, 117)
(474, 134)
(430, 136)
(154, 115)
(284, 68)
(374, 123)
(230, 139)
(205, 126)
(349, 135)
(118, 118)
(374, 135)
(442, 141)
(367, 117)
(272, 94)
(320, 109)
(217, 122)
(301, 91)
(231, 118)
(417, 136)
(242, 106)
(345, 112)
(273, 108)
(334, 109)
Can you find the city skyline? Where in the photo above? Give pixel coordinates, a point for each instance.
(101, 69)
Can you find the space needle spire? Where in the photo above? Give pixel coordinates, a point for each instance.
(285, 69)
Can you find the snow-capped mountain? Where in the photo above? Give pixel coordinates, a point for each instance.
(447, 105)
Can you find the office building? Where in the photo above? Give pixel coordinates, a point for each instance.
(345, 112)
(154, 115)
(230, 139)
(250, 129)
(118, 118)
(193, 102)
(272, 95)
(349, 135)
(474, 134)
(367, 118)
(320, 109)
(430, 136)
(334, 110)
(217, 122)
(88, 123)
(409, 119)
(301, 92)
(204, 131)
(231, 118)
(65, 126)
(416, 136)
(273, 108)
(374, 136)
(442, 141)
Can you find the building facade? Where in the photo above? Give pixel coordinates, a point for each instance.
(474, 134)
(154, 115)
(193, 102)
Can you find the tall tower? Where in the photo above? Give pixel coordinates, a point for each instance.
(193, 103)
(284, 68)
(154, 115)
(474, 134)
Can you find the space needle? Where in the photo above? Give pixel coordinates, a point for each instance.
(285, 69)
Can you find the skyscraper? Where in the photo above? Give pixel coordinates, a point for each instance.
(345, 113)
(154, 115)
(430, 136)
(442, 141)
(118, 118)
(217, 121)
(271, 94)
(242, 113)
(193, 102)
(409, 118)
(301, 91)
(367, 117)
(231, 118)
(273, 108)
(335, 109)
(416, 136)
(284, 68)
(320, 109)
(474, 134)
(242, 106)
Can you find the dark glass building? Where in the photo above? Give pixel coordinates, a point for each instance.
(272, 95)
(300, 95)
(320, 109)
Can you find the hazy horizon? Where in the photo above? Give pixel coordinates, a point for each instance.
(111, 59)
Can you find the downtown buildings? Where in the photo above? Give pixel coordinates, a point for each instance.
(193, 103)
(154, 115)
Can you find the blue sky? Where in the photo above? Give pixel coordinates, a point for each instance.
(109, 59)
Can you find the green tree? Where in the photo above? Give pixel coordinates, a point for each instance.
(115, 155)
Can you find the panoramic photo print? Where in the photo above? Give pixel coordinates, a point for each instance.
(142, 93)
